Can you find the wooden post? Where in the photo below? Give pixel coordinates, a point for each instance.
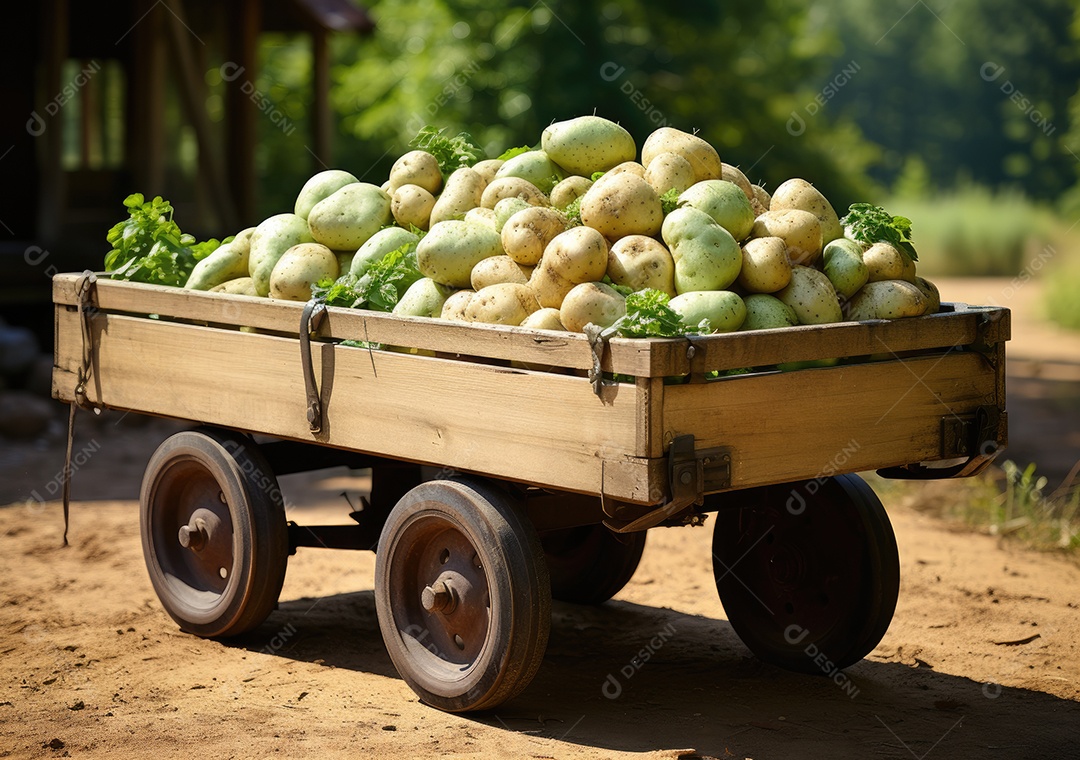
(244, 22)
(145, 101)
(322, 121)
(53, 187)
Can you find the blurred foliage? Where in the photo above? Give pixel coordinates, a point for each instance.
(1062, 291)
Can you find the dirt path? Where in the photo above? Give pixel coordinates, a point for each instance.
(90, 660)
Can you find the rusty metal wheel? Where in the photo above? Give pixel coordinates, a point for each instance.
(213, 530)
(590, 564)
(808, 572)
(462, 594)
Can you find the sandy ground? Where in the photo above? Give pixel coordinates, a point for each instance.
(981, 659)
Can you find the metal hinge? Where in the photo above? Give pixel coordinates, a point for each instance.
(967, 435)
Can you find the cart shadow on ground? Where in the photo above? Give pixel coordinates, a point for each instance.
(629, 677)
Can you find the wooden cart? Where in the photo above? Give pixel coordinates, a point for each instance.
(554, 455)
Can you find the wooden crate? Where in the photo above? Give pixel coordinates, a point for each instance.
(182, 354)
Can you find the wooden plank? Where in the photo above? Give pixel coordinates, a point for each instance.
(650, 440)
(796, 425)
(535, 427)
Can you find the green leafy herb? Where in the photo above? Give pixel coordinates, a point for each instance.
(339, 292)
(670, 201)
(597, 175)
(511, 152)
(451, 152)
(871, 224)
(573, 212)
(648, 316)
(379, 289)
(149, 247)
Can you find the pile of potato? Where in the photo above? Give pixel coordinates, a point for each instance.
(500, 248)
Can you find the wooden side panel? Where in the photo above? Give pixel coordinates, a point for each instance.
(795, 425)
(536, 427)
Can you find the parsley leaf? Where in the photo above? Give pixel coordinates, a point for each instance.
(669, 201)
(512, 152)
(573, 212)
(379, 289)
(649, 316)
(452, 153)
(871, 224)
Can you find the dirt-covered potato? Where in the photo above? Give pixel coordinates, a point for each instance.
(454, 306)
(887, 299)
(702, 157)
(506, 303)
(706, 255)
(417, 167)
(762, 200)
(766, 312)
(622, 204)
(448, 253)
(299, 268)
(544, 319)
(498, 269)
(591, 302)
(578, 255)
(512, 187)
(639, 262)
(569, 190)
(842, 262)
(724, 202)
(463, 191)
(735, 176)
(812, 297)
(587, 144)
(710, 311)
(800, 230)
(798, 194)
(669, 171)
(412, 205)
(535, 167)
(527, 233)
(424, 298)
(765, 265)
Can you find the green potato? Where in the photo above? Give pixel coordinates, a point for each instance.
(812, 297)
(844, 266)
(451, 249)
(347, 218)
(270, 240)
(766, 312)
(228, 262)
(587, 144)
(424, 298)
(724, 310)
(536, 167)
(378, 245)
(706, 256)
(321, 186)
(725, 202)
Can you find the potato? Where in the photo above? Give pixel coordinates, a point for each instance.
(488, 168)
(909, 269)
(227, 262)
(412, 205)
(241, 286)
(417, 167)
(762, 200)
(930, 291)
(424, 298)
(463, 191)
(631, 167)
(507, 303)
(512, 187)
(506, 208)
(569, 190)
(527, 233)
(669, 171)
(270, 240)
(587, 144)
(451, 249)
(591, 303)
(884, 261)
(378, 245)
(300, 267)
(344, 260)
(765, 265)
(498, 269)
(578, 255)
(843, 265)
(454, 307)
(886, 299)
(701, 156)
(706, 256)
(800, 195)
(322, 185)
(800, 230)
(347, 218)
(733, 175)
(724, 202)
(812, 297)
(544, 319)
(534, 167)
(641, 262)
(723, 310)
(481, 215)
(622, 204)
(765, 312)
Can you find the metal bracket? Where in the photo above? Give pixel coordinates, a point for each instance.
(975, 438)
(310, 320)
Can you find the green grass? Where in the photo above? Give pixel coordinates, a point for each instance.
(1062, 295)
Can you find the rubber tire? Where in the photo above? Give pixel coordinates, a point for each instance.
(590, 564)
(517, 584)
(850, 554)
(254, 505)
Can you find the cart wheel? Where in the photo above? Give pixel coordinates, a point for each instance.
(213, 530)
(590, 564)
(462, 594)
(804, 570)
